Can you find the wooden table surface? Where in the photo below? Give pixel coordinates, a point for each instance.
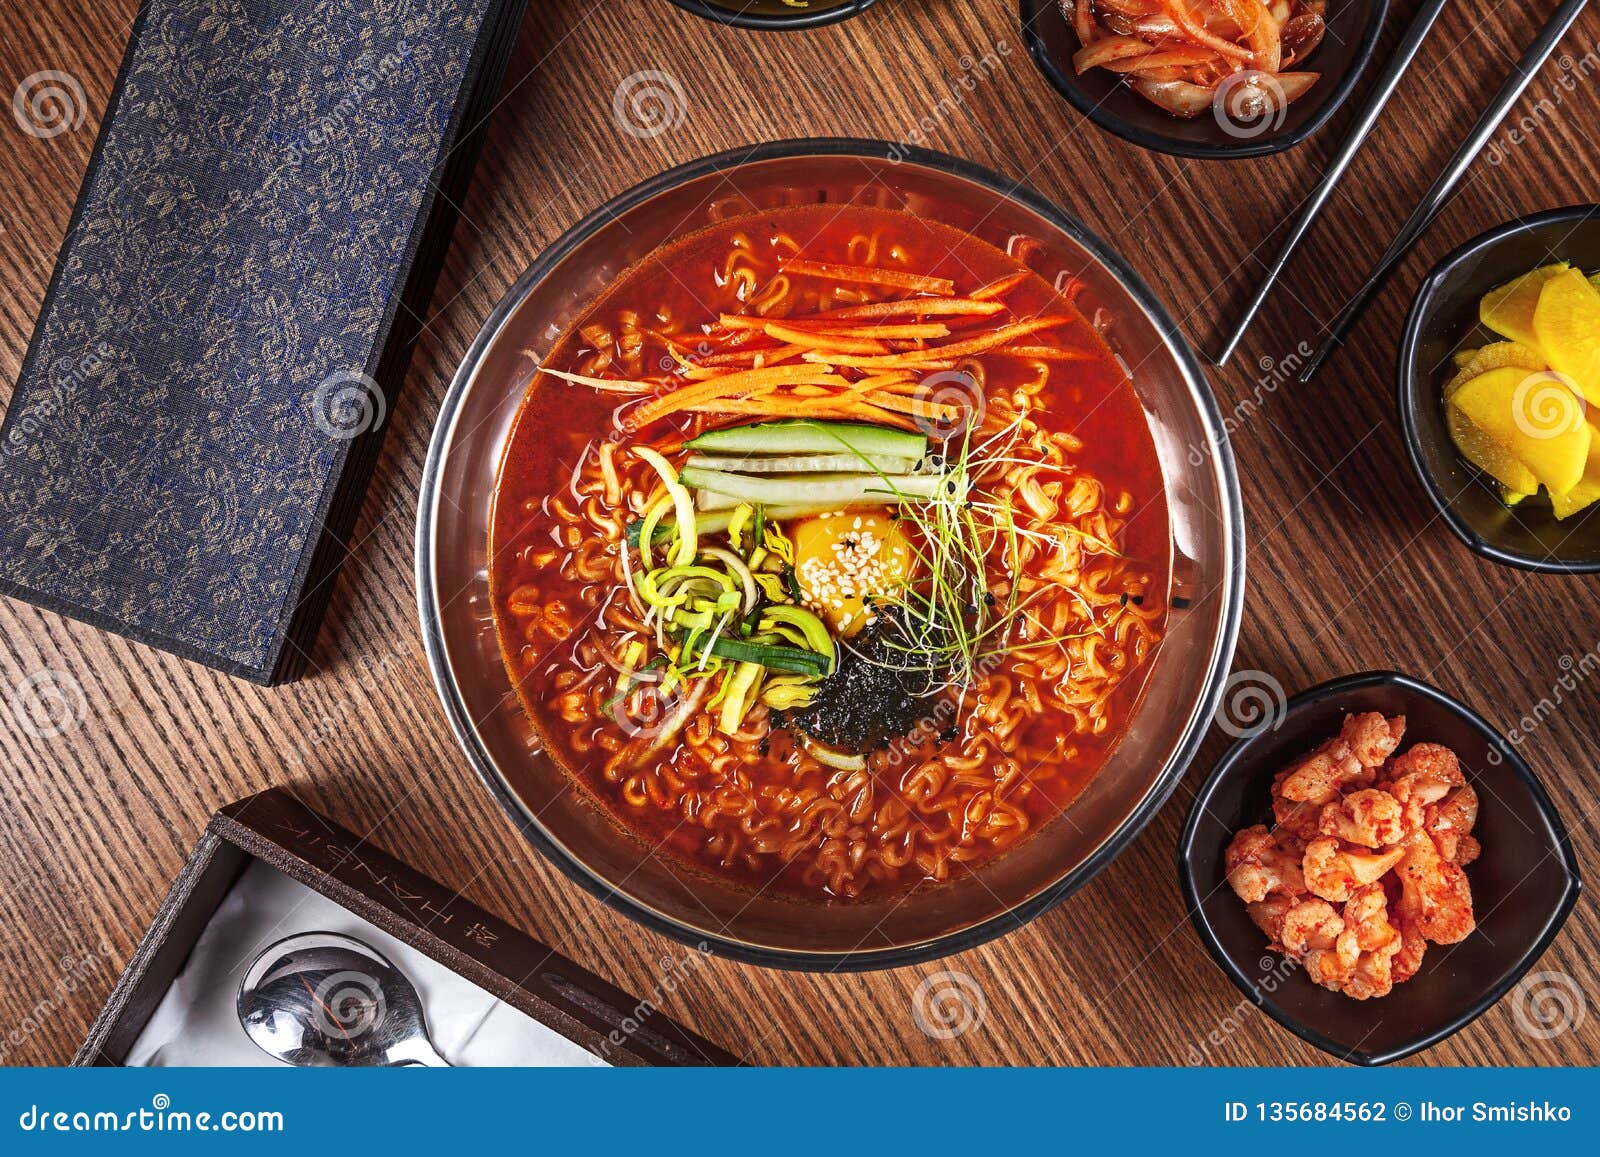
(1348, 567)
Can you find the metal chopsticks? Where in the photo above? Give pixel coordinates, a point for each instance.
(1389, 80)
(1433, 201)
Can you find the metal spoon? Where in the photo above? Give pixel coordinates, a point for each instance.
(324, 1000)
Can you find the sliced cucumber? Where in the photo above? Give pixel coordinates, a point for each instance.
(804, 464)
(808, 489)
(714, 505)
(811, 436)
(714, 519)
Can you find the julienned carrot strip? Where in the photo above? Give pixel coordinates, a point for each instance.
(824, 342)
(735, 383)
(903, 386)
(910, 360)
(952, 350)
(1002, 336)
(1001, 286)
(883, 382)
(870, 275)
(769, 355)
(873, 312)
(916, 406)
(912, 307)
(870, 413)
(771, 404)
(916, 331)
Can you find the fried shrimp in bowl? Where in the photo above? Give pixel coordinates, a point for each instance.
(1364, 867)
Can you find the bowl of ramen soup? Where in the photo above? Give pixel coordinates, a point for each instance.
(830, 553)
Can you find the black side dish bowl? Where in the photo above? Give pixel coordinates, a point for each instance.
(1523, 885)
(1444, 319)
(1353, 29)
(775, 15)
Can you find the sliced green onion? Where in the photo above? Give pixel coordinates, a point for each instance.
(739, 688)
(706, 522)
(772, 586)
(740, 573)
(785, 696)
(692, 620)
(650, 528)
(774, 658)
(736, 524)
(688, 542)
(812, 629)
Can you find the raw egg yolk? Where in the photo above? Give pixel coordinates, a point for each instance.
(842, 559)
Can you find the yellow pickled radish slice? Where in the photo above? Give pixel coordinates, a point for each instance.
(1537, 416)
(1587, 491)
(1496, 355)
(1508, 309)
(1488, 455)
(1566, 323)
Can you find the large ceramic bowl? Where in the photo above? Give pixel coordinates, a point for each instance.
(665, 894)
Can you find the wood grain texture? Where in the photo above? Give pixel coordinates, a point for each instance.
(1349, 569)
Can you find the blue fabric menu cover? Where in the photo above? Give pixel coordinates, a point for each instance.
(256, 237)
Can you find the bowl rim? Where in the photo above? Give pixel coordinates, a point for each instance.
(1408, 388)
(774, 22)
(1231, 590)
(1068, 88)
(1321, 693)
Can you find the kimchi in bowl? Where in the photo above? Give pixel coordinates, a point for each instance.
(663, 372)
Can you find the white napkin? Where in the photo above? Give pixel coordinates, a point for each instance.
(197, 1023)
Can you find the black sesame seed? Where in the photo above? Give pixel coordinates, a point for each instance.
(988, 598)
(1124, 598)
(949, 733)
(1138, 600)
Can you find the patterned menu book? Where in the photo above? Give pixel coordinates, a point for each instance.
(253, 248)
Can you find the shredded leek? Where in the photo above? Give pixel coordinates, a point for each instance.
(688, 542)
(841, 760)
(813, 631)
(741, 518)
(739, 687)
